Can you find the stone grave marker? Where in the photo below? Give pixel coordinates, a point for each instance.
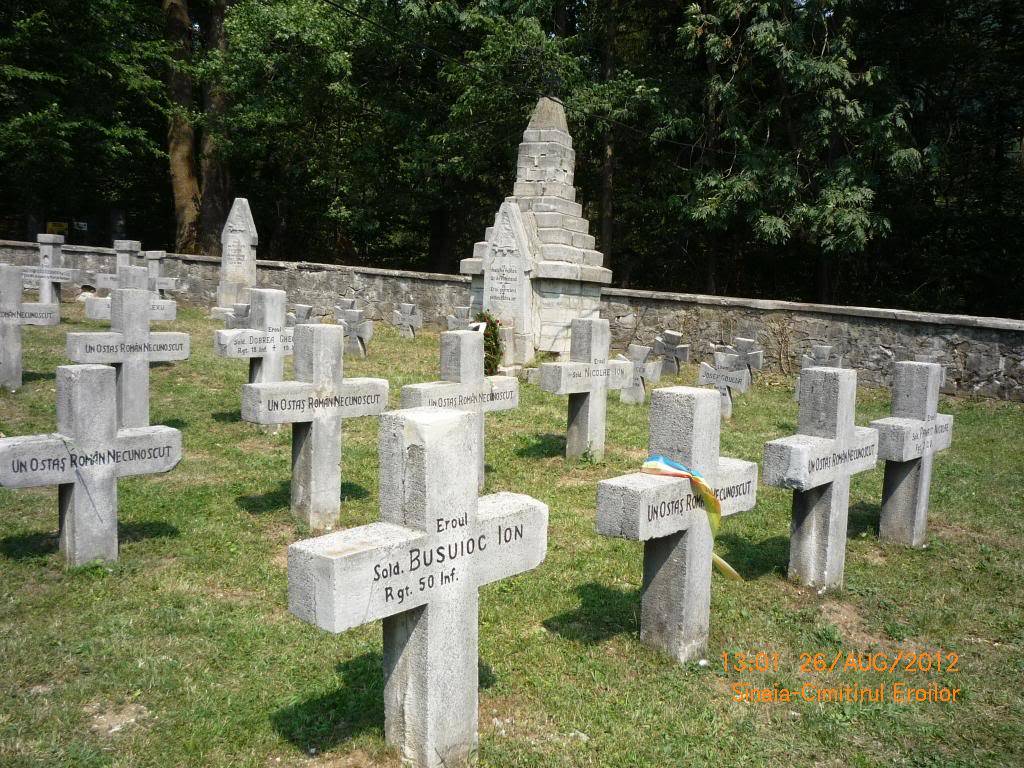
(358, 330)
(315, 404)
(125, 252)
(130, 347)
(98, 307)
(908, 441)
(238, 241)
(645, 369)
(817, 464)
(727, 375)
(821, 356)
(419, 569)
(749, 355)
(462, 320)
(50, 272)
(669, 517)
(408, 319)
(15, 313)
(85, 457)
(158, 283)
(265, 342)
(670, 346)
(463, 386)
(586, 379)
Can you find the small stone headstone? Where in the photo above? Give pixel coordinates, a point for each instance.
(358, 330)
(645, 369)
(98, 308)
(50, 272)
(265, 340)
(419, 569)
(727, 375)
(822, 357)
(672, 350)
(817, 464)
(408, 319)
(15, 313)
(85, 457)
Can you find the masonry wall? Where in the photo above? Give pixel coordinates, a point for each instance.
(984, 356)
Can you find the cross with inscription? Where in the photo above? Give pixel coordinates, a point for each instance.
(670, 346)
(669, 517)
(586, 378)
(265, 342)
(727, 375)
(125, 251)
(462, 320)
(84, 458)
(50, 272)
(821, 356)
(644, 369)
(98, 308)
(358, 330)
(817, 464)
(408, 319)
(130, 347)
(13, 314)
(419, 569)
(315, 405)
(908, 441)
(463, 386)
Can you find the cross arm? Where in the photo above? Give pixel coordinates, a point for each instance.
(517, 529)
(494, 393)
(168, 345)
(802, 462)
(30, 276)
(905, 439)
(145, 450)
(287, 402)
(248, 342)
(573, 378)
(95, 347)
(738, 379)
(35, 460)
(34, 313)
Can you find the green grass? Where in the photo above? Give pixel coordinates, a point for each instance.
(189, 630)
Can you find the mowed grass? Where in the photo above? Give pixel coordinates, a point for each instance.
(183, 652)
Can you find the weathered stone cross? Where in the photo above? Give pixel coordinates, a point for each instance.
(727, 374)
(463, 386)
(908, 441)
(821, 356)
(670, 346)
(419, 569)
(130, 347)
(408, 319)
(85, 457)
(748, 354)
(51, 271)
(461, 320)
(98, 308)
(644, 369)
(358, 330)
(670, 518)
(156, 282)
(13, 314)
(267, 340)
(817, 463)
(124, 252)
(586, 378)
(315, 405)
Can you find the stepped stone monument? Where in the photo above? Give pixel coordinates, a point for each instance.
(238, 242)
(536, 270)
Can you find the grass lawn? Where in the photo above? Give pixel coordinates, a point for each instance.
(183, 653)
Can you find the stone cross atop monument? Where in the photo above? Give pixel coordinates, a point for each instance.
(586, 379)
(644, 369)
(15, 313)
(358, 330)
(238, 241)
(50, 272)
(817, 464)
(670, 346)
(727, 375)
(419, 569)
(98, 308)
(315, 404)
(908, 441)
(463, 386)
(265, 342)
(408, 319)
(85, 457)
(669, 517)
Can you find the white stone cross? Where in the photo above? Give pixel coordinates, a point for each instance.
(50, 272)
(669, 517)
(726, 375)
(461, 320)
(358, 330)
(463, 386)
(315, 405)
(156, 282)
(817, 464)
(586, 378)
(13, 314)
(267, 340)
(644, 369)
(130, 347)
(408, 319)
(98, 308)
(908, 441)
(670, 346)
(85, 457)
(821, 356)
(749, 355)
(124, 253)
(419, 569)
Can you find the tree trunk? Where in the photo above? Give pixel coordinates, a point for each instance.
(607, 243)
(215, 196)
(180, 133)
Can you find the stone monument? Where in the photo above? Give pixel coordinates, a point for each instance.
(50, 272)
(238, 242)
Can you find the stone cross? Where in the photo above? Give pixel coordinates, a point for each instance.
(358, 330)
(670, 346)
(644, 369)
(85, 457)
(51, 271)
(586, 378)
(748, 354)
(907, 441)
(821, 356)
(669, 517)
(933, 357)
(156, 282)
(238, 241)
(13, 314)
(408, 319)
(98, 308)
(265, 342)
(461, 320)
(315, 405)
(463, 386)
(124, 252)
(727, 375)
(817, 464)
(130, 347)
(419, 569)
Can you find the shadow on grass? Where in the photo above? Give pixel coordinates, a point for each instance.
(603, 613)
(281, 497)
(754, 559)
(228, 417)
(175, 423)
(863, 518)
(546, 446)
(28, 546)
(27, 376)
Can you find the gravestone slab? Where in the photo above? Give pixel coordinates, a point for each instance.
(315, 404)
(85, 457)
(463, 386)
(908, 441)
(670, 518)
(15, 313)
(586, 378)
(408, 319)
(670, 346)
(125, 254)
(238, 241)
(50, 272)
(822, 357)
(727, 375)
(358, 330)
(98, 308)
(817, 464)
(419, 569)
(265, 342)
(645, 369)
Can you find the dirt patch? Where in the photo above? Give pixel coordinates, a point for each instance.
(109, 719)
(951, 532)
(850, 624)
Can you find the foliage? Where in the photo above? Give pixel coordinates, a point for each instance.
(493, 351)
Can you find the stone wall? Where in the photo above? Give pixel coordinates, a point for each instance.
(984, 356)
